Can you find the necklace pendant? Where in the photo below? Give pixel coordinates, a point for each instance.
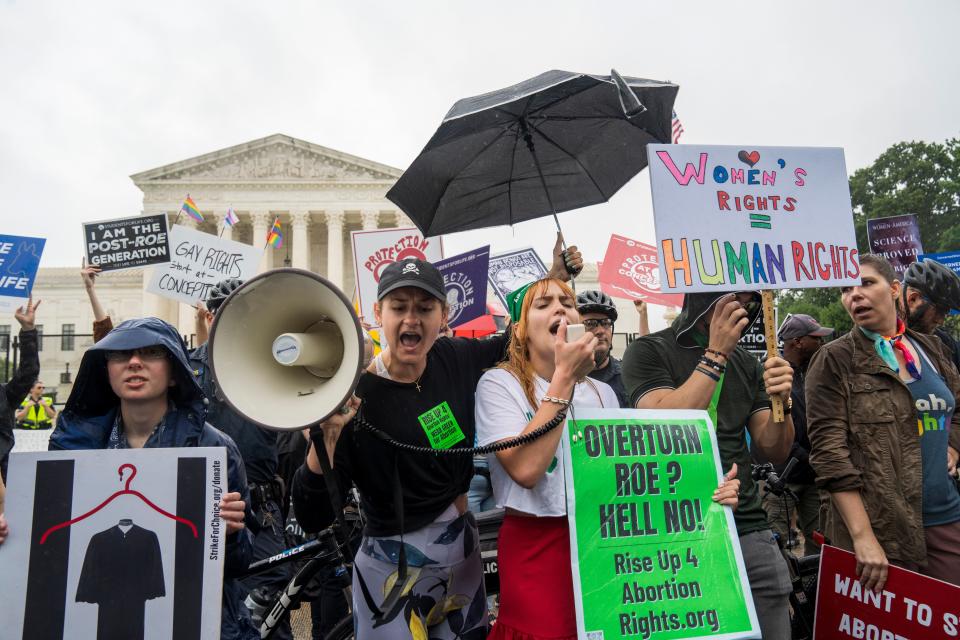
(417, 385)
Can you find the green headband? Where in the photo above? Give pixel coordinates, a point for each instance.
(515, 301)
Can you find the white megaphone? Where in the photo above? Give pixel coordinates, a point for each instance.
(286, 349)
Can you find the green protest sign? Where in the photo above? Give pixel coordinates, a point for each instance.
(653, 556)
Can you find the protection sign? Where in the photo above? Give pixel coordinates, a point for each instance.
(653, 556)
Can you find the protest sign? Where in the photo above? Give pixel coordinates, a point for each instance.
(374, 250)
(511, 270)
(87, 556)
(754, 339)
(19, 261)
(127, 243)
(653, 555)
(734, 219)
(198, 261)
(465, 279)
(948, 258)
(897, 239)
(630, 270)
(910, 607)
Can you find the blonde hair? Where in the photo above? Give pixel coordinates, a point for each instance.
(518, 354)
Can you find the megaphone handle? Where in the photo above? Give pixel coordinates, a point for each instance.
(330, 478)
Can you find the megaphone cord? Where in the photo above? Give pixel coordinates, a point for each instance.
(518, 441)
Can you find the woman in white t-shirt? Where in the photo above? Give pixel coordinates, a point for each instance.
(542, 375)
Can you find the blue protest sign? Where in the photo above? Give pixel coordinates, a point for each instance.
(465, 279)
(948, 258)
(19, 261)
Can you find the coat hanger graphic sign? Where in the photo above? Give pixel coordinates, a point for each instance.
(125, 491)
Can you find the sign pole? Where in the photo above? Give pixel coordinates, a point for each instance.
(770, 336)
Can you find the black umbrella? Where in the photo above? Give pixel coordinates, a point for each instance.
(556, 142)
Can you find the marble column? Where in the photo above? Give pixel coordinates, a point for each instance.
(370, 219)
(335, 246)
(402, 220)
(300, 253)
(261, 221)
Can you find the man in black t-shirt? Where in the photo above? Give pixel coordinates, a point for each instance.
(598, 313)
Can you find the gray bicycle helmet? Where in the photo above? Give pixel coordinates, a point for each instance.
(596, 302)
(220, 292)
(936, 281)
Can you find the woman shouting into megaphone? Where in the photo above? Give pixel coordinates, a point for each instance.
(418, 569)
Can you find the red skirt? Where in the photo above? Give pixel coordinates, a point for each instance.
(536, 582)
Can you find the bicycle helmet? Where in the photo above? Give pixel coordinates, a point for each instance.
(597, 302)
(936, 281)
(220, 292)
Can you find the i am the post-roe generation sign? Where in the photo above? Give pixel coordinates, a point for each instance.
(654, 558)
(749, 218)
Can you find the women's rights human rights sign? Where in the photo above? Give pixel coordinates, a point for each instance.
(748, 218)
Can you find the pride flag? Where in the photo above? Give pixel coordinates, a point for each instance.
(275, 235)
(191, 208)
(231, 217)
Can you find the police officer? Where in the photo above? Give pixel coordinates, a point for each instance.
(36, 411)
(598, 313)
(258, 448)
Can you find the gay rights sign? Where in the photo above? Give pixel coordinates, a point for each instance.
(653, 555)
(910, 607)
(127, 243)
(735, 218)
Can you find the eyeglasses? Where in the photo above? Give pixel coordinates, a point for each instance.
(940, 308)
(144, 353)
(592, 324)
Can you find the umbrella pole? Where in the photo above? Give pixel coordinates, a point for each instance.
(553, 210)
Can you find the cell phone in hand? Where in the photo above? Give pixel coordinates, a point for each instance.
(575, 332)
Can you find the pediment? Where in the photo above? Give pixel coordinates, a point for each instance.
(276, 158)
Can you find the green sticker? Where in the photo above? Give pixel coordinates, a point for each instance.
(441, 427)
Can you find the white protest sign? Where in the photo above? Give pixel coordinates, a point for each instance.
(374, 250)
(200, 260)
(750, 218)
(511, 270)
(114, 543)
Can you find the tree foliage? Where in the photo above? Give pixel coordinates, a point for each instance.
(910, 177)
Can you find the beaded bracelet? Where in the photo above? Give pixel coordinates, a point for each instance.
(717, 353)
(561, 401)
(713, 364)
(709, 374)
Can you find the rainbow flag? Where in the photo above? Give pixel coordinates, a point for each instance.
(231, 217)
(275, 235)
(191, 208)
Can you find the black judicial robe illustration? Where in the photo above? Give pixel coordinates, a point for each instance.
(122, 569)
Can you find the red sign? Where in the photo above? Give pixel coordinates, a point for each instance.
(910, 607)
(630, 270)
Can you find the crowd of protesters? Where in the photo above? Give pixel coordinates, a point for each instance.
(870, 420)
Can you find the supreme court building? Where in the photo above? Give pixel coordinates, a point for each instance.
(320, 196)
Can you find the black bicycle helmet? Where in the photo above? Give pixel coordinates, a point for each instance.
(936, 281)
(597, 302)
(221, 291)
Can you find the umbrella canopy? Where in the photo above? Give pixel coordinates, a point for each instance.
(556, 142)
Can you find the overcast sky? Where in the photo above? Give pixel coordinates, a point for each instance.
(96, 91)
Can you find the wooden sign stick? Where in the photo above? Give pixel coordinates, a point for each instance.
(770, 336)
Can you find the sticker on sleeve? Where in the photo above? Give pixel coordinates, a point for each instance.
(441, 427)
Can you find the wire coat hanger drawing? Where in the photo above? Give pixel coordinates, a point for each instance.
(125, 491)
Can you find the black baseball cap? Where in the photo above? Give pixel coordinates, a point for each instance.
(411, 272)
(799, 325)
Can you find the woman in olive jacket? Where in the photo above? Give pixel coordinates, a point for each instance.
(884, 435)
